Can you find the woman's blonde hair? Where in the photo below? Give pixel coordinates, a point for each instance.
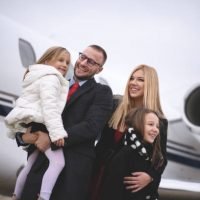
(151, 98)
(50, 54)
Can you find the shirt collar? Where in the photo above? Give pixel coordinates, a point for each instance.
(72, 81)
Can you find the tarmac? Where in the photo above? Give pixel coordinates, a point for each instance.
(166, 196)
(4, 198)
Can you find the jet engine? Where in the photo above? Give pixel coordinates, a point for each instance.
(191, 114)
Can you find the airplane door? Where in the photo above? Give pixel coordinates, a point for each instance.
(27, 53)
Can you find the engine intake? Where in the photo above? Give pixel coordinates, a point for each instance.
(192, 109)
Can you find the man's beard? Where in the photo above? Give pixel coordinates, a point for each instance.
(82, 78)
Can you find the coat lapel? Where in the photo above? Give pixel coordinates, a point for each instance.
(82, 90)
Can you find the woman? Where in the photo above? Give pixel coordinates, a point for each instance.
(142, 90)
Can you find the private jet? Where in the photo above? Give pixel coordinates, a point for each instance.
(20, 47)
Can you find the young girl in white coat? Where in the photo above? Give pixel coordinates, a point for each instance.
(42, 101)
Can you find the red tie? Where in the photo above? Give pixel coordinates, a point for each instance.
(72, 90)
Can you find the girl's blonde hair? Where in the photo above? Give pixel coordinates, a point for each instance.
(50, 54)
(151, 98)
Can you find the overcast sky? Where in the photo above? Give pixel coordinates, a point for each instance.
(164, 34)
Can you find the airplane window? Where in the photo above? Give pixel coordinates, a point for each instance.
(27, 53)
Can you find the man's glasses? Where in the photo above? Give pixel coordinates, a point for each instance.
(90, 61)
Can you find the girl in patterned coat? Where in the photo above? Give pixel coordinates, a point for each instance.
(141, 152)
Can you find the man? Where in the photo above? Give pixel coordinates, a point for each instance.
(84, 116)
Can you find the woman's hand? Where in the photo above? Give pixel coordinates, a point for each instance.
(137, 181)
(60, 142)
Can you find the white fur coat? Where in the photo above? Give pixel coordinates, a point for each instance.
(43, 99)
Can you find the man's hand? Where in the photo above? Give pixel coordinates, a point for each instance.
(29, 138)
(137, 181)
(43, 142)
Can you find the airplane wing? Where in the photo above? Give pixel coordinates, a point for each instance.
(172, 184)
(171, 189)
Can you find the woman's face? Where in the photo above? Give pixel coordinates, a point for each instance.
(151, 127)
(136, 85)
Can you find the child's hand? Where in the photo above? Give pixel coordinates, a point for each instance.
(60, 142)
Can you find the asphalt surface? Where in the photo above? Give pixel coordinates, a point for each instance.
(168, 195)
(4, 198)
